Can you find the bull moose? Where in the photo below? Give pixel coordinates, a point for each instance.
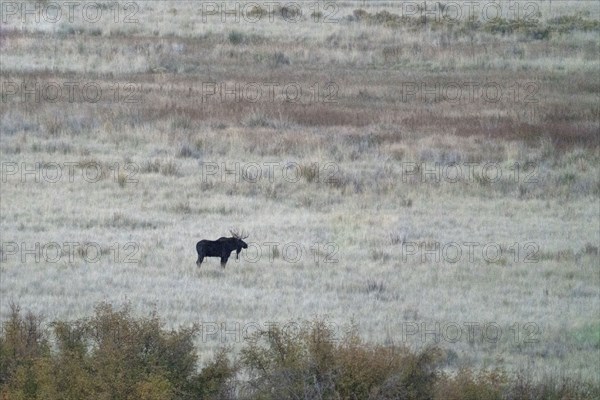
(222, 247)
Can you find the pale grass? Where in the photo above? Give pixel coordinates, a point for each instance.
(368, 214)
(167, 279)
(339, 43)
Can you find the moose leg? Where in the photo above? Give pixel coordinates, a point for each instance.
(201, 255)
(224, 261)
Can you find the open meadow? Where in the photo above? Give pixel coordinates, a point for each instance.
(426, 172)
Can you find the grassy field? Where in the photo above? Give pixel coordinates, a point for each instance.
(432, 178)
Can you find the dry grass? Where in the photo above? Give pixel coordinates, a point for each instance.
(353, 123)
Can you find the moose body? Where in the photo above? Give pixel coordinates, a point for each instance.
(222, 247)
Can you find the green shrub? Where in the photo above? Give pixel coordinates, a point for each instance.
(111, 355)
(310, 363)
(569, 23)
(279, 58)
(216, 380)
(361, 15)
(469, 386)
(23, 341)
(236, 37)
(289, 13)
(256, 12)
(530, 28)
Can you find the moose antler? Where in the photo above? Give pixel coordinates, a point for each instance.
(239, 235)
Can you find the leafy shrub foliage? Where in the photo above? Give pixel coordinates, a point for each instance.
(111, 355)
(114, 355)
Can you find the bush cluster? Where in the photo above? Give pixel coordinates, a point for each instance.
(530, 28)
(114, 355)
(111, 355)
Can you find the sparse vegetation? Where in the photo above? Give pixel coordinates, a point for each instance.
(236, 37)
(338, 137)
(530, 27)
(114, 354)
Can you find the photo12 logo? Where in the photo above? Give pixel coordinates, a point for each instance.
(455, 92)
(69, 252)
(70, 171)
(269, 92)
(468, 10)
(469, 332)
(54, 12)
(268, 171)
(70, 92)
(291, 252)
(469, 252)
(329, 11)
(238, 332)
(270, 11)
(462, 172)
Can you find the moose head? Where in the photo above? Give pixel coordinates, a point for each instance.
(240, 244)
